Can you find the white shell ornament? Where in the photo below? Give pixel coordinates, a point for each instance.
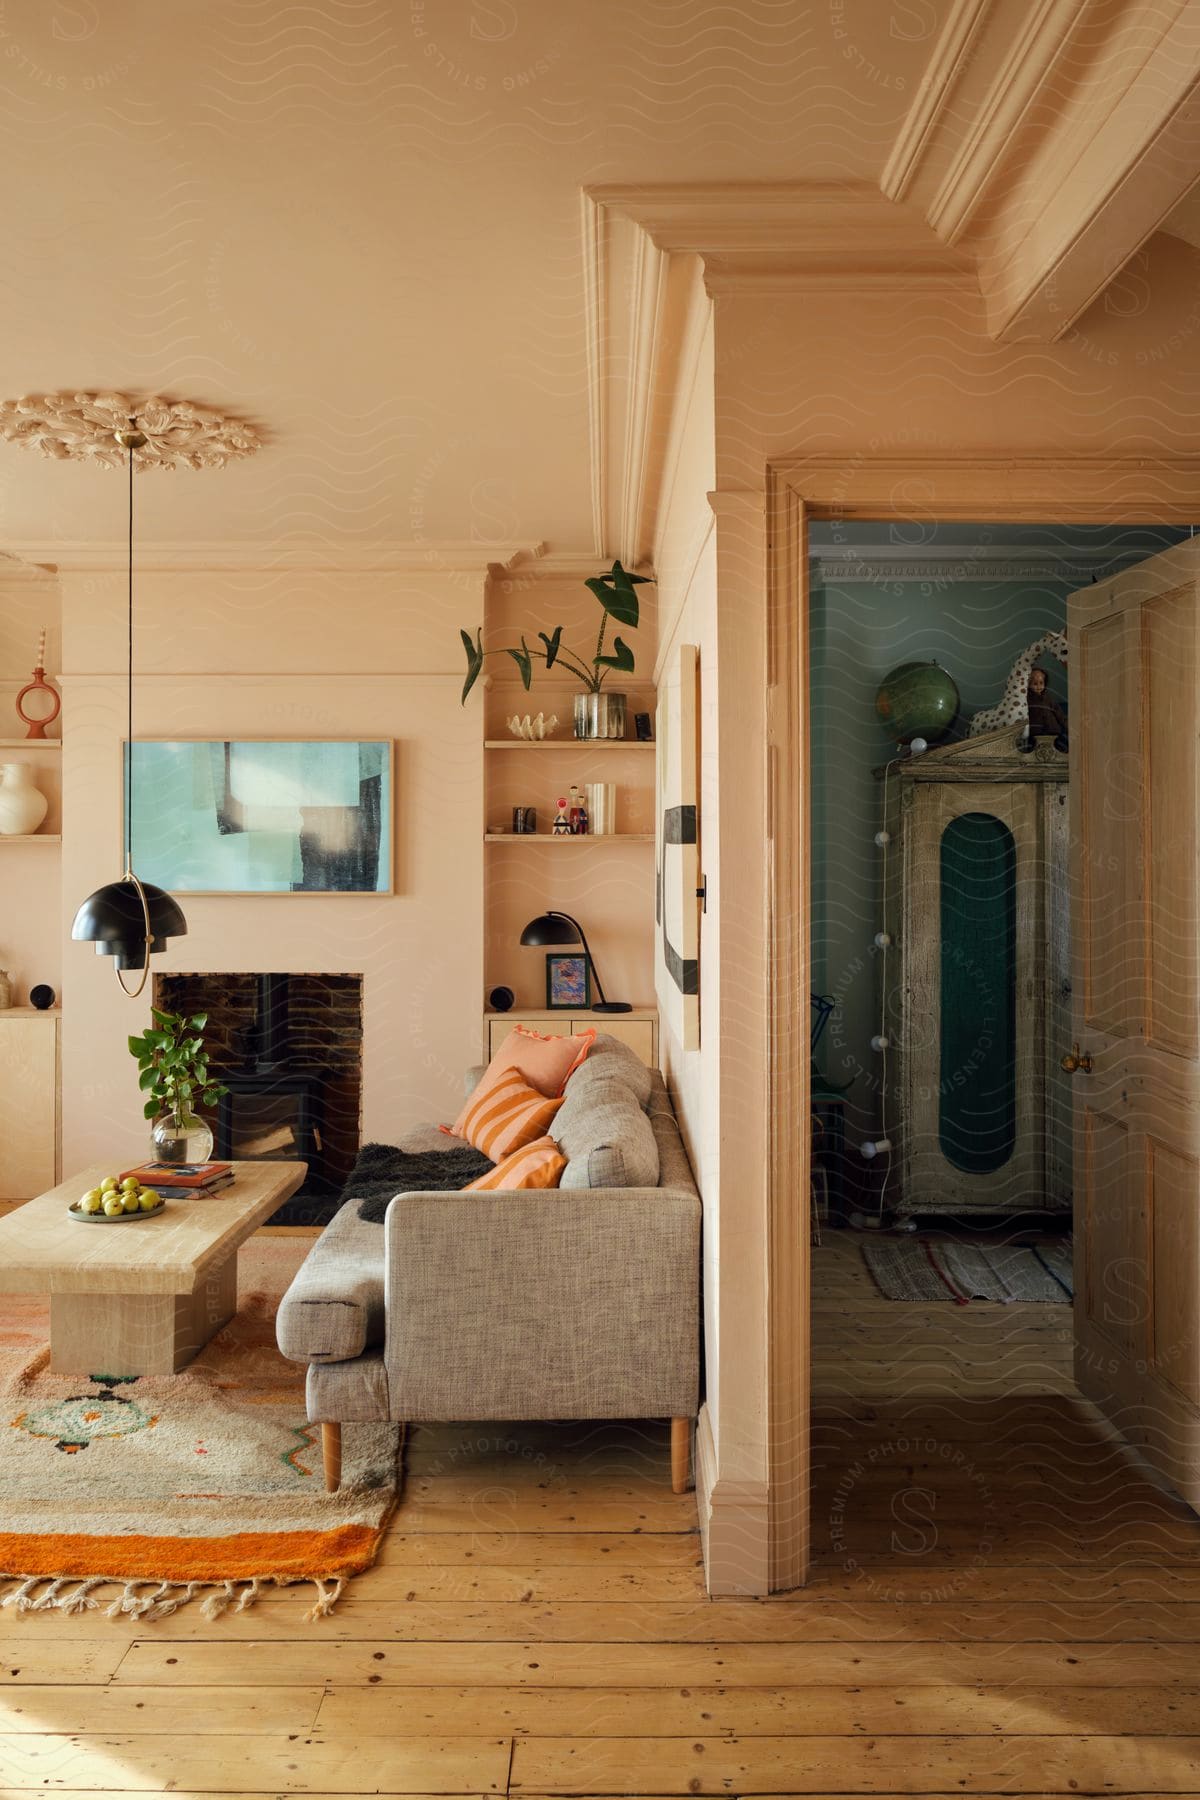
(533, 730)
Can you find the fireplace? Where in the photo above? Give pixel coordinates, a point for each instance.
(289, 1049)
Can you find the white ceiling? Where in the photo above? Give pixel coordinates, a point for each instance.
(358, 224)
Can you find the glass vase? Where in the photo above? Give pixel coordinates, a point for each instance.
(181, 1138)
(600, 715)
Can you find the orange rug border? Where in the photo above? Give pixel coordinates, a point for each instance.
(344, 1551)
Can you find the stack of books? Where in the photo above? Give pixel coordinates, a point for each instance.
(190, 1178)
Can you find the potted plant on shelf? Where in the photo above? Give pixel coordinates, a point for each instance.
(173, 1070)
(599, 712)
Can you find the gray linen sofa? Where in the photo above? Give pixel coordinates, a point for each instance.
(578, 1302)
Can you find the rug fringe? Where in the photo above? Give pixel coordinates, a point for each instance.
(147, 1600)
(328, 1597)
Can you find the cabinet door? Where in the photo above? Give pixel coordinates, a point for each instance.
(637, 1033)
(28, 1106)
(498, 1029)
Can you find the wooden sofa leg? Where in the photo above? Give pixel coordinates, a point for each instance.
(681, 1432)
(331, 1455)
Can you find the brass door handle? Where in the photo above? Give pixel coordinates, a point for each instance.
(1076, 1061)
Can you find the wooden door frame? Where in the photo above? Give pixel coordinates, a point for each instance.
(1009, 490)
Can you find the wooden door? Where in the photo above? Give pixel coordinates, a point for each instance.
(1135, 740)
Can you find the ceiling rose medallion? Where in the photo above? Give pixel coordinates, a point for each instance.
(83, 427)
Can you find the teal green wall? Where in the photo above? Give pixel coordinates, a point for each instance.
(860, 630)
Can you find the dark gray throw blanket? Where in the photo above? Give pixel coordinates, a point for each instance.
(381, 1171)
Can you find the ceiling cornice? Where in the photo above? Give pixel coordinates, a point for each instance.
(795, 231)
(450, 557)
(950, 58)
(951, 565)
(640, 245)
(1076, 151)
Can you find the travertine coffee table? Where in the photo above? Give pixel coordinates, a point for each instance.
(139, 1298)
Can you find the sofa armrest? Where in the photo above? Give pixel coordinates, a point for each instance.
(334, 1308)
(555, 1305)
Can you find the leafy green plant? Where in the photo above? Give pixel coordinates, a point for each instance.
(173, 1066)
(617, 594)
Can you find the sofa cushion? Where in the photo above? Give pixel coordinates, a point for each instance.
(543, 1062)
(506, 1115)
(611, 1060)
(334, 1307)
(606, 1137)
(538, 1165)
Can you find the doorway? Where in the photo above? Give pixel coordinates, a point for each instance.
(901, 500)
(941, 853)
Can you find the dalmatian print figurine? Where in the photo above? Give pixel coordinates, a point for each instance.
(1014, 702)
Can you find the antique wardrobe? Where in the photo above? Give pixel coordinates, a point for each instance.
(975, 981)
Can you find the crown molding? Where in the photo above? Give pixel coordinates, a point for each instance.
(795, 232)
(1078, 149)
(946, 564)
(640, 242)
(950, 58)
(449, 557)
(1026, 65)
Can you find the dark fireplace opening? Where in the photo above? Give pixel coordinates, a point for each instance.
(289, 1049)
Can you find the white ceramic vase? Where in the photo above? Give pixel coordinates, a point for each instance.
(22, 805)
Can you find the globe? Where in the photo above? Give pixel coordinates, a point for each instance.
(917, 699)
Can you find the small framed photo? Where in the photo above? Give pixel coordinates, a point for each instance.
(568, 983)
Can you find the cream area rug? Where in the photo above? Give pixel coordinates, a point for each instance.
(143, 1493)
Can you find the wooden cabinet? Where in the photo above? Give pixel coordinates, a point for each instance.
(976, 978)
(29, 1112)
(637, 1029)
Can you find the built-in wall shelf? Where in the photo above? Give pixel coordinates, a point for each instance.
(31, 837)
(586, 837)
(568, 744)
(30, 743)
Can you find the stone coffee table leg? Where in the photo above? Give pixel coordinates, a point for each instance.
(140, 1334)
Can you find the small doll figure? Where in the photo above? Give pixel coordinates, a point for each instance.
(1046, 716)
(562, 822)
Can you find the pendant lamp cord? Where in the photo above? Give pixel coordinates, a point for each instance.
(140, 891)
(129, 690)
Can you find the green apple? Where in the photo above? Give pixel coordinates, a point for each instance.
(148, 1200)
(91, 1201)
(129, 1202)
(130, 1185)
(108, 1185)
(113, 1206)
(93, 1194)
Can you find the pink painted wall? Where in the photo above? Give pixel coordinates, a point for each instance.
(284, 655)
(30, 941)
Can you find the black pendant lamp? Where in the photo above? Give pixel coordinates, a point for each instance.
(129, 919)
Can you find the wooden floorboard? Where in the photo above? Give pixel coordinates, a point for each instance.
(1004, 1602)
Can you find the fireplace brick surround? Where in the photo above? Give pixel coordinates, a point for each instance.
(297, 1037)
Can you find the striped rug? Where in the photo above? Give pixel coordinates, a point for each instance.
(142, 1494)
(920, 1268)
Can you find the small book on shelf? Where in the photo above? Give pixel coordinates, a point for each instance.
(195, 1177)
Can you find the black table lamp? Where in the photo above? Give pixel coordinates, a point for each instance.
(551, 928)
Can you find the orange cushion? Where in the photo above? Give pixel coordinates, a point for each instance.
(544, 1062)
(505, 1117)
(538, 1165)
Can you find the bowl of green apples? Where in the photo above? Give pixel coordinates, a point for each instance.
(116, 1202)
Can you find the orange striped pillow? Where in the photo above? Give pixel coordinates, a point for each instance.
(538, 1165)
(509, 1115)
